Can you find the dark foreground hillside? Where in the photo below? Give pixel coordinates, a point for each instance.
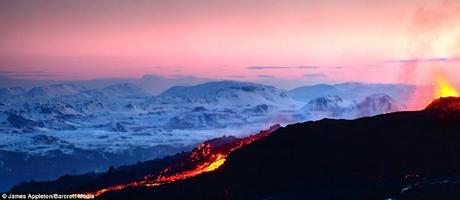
(407, 155)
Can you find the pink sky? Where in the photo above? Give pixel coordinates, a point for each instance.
(348, 40)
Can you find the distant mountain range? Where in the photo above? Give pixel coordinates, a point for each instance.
(110, 123)
(351, 91)
(153, 84)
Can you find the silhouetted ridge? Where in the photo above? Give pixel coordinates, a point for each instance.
(445, 104)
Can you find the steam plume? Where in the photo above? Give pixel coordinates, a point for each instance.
(434, 32)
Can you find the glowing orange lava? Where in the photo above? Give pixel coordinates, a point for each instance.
(213, 162)
(216, 161)
(444, 88)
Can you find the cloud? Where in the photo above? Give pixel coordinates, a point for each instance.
(281, 67)
(181, 76)
(236, 76)
(307, 67)
(25, 74)
(421, 60)
(32, 75)
(265, 76)
(17, 72)
(315, 75)
(431, 33)
(336, 67)
(266, 67)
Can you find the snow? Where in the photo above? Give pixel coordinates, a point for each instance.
(352, 91)
(53, 90)
(340, 108)
(122, 116)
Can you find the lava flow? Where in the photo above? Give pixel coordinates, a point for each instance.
(207, 157)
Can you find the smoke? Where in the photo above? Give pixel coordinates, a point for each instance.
(434, 32)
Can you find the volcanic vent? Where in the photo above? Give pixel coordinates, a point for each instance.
(445, 104)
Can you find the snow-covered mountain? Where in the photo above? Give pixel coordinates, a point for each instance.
(377, 104)
(307, 93)
(8, 92)
(65, 110)
(226, 93)
(352, 91)
(328, 107)
(338, 107)
(125, 90)
(53, 90)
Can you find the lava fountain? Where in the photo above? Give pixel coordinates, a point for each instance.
(446, 96)
(424, 95)
(444, 88)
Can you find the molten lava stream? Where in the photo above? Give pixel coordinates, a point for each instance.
(214, 162)
(212, 165)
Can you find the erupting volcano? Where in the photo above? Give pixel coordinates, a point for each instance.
(445, 104)
(446, 96)
(444, 88)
